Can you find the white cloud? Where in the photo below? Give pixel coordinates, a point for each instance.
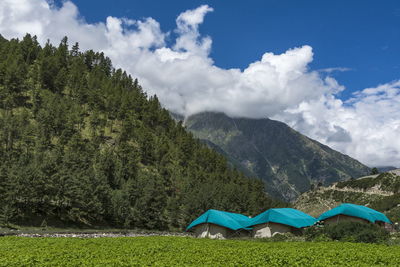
(186, 80)
(188, 23)
(336, 69)
(366, 126)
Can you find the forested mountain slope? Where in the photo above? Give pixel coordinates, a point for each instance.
(380, 192)
(286, 160)
(81, 144)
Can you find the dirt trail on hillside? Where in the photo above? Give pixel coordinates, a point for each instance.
(395, 172)
(372, 191)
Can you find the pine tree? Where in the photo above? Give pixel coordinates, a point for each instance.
(83, 145)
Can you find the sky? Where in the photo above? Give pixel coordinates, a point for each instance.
(362, 36)
(329, 69)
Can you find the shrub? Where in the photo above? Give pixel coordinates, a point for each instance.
(311, 233)
(374, 171)
(322, 238)
(363, 184)
(282, 237)
(349, 232)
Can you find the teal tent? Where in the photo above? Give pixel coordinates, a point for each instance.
(287, 216)
(355, 211)
(229, 220)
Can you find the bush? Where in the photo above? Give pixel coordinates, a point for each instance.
(374, 171)
(394, 239)
(349, 232)
(311, 233)
(282, 237)
(322, 238)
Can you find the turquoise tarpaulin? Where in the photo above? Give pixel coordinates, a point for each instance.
(226, 219)
(287, 216)
(355, 211)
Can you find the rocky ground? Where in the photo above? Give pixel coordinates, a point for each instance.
(89, 234)
(99, 235)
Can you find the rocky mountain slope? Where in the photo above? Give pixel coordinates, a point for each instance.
(380, 192)
(288, 162)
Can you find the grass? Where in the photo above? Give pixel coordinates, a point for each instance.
(184, 251)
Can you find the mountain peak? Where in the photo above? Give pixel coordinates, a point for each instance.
(287, 161)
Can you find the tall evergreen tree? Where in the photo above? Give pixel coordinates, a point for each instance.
(82, 144)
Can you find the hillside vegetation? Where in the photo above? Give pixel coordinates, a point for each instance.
(288, 162)
(380, 192)
(82, 144)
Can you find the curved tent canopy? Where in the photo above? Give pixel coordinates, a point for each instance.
(226, 219)
(354, 210)
(287, 216)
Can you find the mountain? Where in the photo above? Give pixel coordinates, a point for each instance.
(288, 162)
(380, 192)
(81, 144)
(386, 168)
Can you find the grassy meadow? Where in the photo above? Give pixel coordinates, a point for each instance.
(184, 251)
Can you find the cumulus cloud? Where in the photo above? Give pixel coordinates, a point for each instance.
(186, 80)
(182, 75)
(189, 36)
(367, 126)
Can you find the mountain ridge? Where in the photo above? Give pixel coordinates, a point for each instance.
(287, 161)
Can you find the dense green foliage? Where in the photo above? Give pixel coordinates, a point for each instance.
(81, 144)
(374, 171)
(348, 231)
(178, 251)
(288, 162)
(362, 184)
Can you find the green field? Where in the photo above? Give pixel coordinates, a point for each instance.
(181, 251)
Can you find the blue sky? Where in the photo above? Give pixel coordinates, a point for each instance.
(252, 59)
(363, 36)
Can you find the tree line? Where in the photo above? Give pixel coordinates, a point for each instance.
(81, 144)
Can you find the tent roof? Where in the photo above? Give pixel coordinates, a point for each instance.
(355, 211)
(226, 219)
(287, 216)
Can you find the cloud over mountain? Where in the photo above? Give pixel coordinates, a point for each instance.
(186, 80)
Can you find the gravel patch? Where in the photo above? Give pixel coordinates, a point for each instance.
(99, 235)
